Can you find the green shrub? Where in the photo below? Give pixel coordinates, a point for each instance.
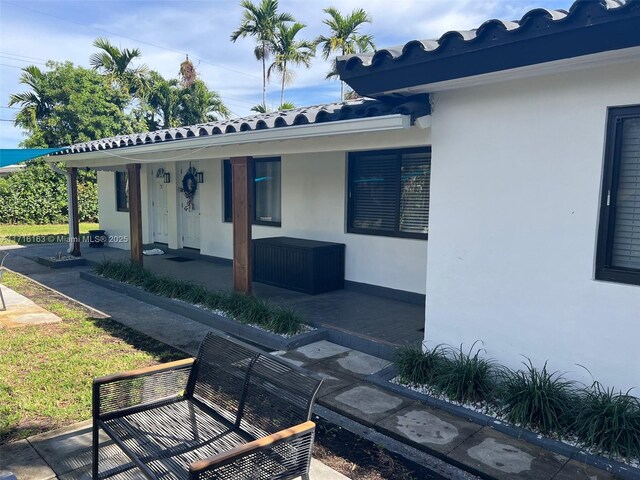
(38, 195)
(284, 321)
(419, 366)
(538, 399)
(466, 377)
(243, 308)
(609, 421)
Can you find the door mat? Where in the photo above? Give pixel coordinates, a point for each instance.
(179, 259)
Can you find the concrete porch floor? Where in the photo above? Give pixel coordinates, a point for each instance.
(384, 320)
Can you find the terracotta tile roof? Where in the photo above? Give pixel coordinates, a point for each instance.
(333, 112)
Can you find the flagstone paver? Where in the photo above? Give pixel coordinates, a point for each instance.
(505, 458)
(426, 426)
(575, 470)
(22, 312)
(367, 404)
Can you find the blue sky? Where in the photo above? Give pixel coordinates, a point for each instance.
(32, 32)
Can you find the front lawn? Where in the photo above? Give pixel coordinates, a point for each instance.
(46, 370)
(35, 234)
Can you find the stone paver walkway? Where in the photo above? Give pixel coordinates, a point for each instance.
(481, 450)
(21, 311)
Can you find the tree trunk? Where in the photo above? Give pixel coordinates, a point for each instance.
(284, 75)
(264, 77)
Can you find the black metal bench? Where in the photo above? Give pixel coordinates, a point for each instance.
(233, 413)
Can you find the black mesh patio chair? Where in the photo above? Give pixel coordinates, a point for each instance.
(3, 255)
(233, 412)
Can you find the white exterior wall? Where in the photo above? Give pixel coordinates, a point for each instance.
(313, 207)
(114, 222)
(515, 191)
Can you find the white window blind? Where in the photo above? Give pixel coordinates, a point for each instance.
(626, 237)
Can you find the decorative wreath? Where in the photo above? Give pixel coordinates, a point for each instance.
(189, 187)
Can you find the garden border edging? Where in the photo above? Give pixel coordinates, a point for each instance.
(383, 378)
(55, 264)
(206, 317)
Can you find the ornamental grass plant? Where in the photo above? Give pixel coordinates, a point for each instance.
(467, 377)
(538, 399)
(419, 365)
(609, 421)
(242, 308)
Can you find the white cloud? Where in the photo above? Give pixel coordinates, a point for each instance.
(171, 29)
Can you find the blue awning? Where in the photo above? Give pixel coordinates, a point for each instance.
(11, 156)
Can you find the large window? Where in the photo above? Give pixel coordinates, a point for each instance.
(618, 256)
(389, 192)
(266, 192)
(122, 191)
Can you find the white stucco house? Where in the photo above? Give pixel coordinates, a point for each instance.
(494, 173)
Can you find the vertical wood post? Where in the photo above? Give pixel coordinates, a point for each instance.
(242, 183)
(73, 212)
(135, 213)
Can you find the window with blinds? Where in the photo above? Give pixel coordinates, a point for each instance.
(266, 192)
(389, 192)
(619, 236)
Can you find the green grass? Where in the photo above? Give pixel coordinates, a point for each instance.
(46, 370)
(37, 234)
(242, 308)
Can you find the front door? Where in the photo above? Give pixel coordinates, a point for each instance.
(189, 208)
(160, 208)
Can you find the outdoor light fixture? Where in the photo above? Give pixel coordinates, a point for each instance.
(199, 177)
(167, 177)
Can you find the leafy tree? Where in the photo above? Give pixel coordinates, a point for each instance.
(69, 104)
(116, 64)
(345, 38)
(287, 51)
(261, 21)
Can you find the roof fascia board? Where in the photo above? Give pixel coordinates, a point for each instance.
(136, 154)
(473, 59)
(559, 66)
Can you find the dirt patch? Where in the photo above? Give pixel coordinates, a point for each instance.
(358, 458)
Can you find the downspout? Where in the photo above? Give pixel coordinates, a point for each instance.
(69, 200)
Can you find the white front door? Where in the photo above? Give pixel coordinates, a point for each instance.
(160, 207)
(189, 211)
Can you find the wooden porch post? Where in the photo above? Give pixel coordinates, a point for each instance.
(73, 212)
(242, 182)
(135, 213)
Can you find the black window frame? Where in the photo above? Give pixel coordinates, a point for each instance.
(227, 195)
(121, 178)
(352, 159)
(608, 201)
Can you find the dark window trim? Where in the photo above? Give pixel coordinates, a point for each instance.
(353, 156)
(604, 269)
(117, 184)
(227, 215)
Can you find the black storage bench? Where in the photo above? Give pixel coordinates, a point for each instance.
(307, 266)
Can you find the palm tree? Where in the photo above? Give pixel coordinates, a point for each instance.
(35, 106)
(345, 38)
(261, 21)
(287, 50)
(162, 100)
(199, 104)
(116, 64)
(260, 108)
